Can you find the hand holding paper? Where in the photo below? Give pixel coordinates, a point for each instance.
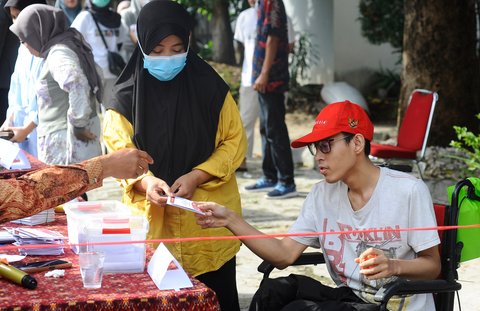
(184, 204)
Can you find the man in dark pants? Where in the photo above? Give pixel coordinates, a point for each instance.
(270, 78)
(8, 55)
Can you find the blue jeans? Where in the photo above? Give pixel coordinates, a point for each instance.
(277, 156)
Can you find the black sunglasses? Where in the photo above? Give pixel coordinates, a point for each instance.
(325, 146)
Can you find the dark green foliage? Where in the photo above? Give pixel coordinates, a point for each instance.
(303, 97)
(468, 144)
(205, 7)
(382, 21)
(231, 75)
(383, 96)
(206, 50)
(298, 63)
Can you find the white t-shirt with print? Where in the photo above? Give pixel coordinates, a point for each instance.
(246, 32)
(85, 24)
(398, 201)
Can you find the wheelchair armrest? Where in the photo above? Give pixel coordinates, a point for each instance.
(403, 287)
(313, 258)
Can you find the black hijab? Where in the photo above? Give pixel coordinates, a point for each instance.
(174, 121)
(21, 4)
(105, 16)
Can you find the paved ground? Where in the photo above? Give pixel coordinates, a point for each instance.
(275, 216)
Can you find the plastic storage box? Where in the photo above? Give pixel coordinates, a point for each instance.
(108, 221)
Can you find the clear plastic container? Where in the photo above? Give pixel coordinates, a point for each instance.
(109, 222)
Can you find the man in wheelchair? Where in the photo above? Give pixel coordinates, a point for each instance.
(354, 195)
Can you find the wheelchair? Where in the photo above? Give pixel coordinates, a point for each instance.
(443, 288)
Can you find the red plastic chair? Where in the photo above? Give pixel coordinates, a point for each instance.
(413, 133)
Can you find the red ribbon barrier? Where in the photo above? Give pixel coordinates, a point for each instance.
(240, 237)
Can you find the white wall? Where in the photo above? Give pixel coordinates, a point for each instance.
(354, 55)
(314, 17)
(345, 55)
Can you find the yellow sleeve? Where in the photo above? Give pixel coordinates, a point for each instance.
(117, 131)
(230, 146)
(117, 134)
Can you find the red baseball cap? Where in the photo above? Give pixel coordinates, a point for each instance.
(335, 118)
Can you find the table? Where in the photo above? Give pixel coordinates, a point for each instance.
(34, 163)
(134, 291)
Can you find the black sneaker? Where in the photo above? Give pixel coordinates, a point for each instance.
(261, 185)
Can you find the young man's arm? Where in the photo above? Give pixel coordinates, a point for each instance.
(280, 253)
(271, 49)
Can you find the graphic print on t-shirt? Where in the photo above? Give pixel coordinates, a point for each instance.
(341, 249)
(390, 252)
(108, 33)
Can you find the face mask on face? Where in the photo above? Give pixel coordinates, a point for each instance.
(101, 3)
(164, 68)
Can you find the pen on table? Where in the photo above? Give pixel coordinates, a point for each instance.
(16, 275)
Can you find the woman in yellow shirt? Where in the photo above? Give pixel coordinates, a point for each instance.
(173, 105)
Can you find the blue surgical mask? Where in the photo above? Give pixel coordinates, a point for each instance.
(101, 3)
(164, 68)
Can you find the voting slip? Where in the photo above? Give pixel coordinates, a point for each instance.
(37, 219)
(166, 272)
(6, 237)
(12, 157)
(38, 236)
(184, 204)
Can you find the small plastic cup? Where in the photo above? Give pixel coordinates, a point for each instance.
(91, 268)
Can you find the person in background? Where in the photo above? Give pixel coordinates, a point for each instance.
(69, 86)
(8, 55)
(123, 5)
(270, 79)
(71, 8)
(245, 36)
(354, 195)
(51, 186)
(129, 22)
(291, 35)
(22, 113)
(172, 104)
(109, 23)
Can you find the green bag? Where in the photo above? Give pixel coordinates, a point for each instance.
(469, 214)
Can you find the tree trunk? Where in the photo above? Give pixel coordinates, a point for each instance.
(439, 54)
(222, 35)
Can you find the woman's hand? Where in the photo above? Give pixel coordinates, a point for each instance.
(186, 185)
(157, 190)
(83, 134)
(374, 264)
(19, 134)
(215, 215)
